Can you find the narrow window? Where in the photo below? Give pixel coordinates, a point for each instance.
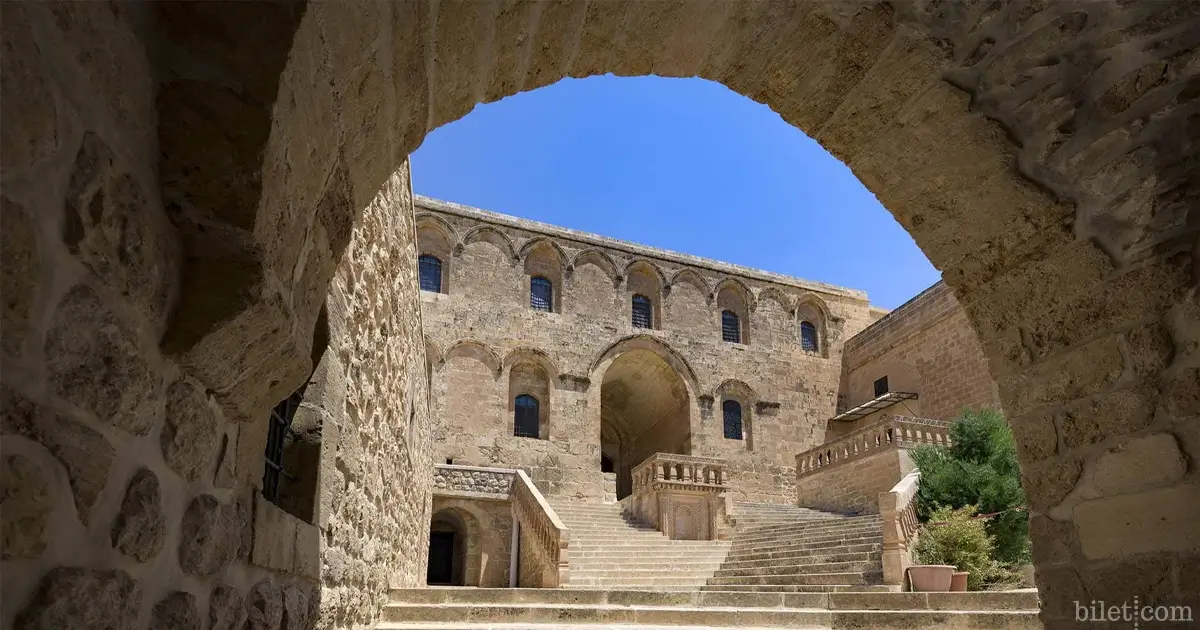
(606, 464)
(732, 410)
(541, 294)
(881, 387)
(643, 312)
(731, 329)
(525, 420)
(808, 337)
(429, 268)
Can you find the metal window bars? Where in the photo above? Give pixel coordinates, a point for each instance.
(731, 329)
(280, 427)
(429, 270)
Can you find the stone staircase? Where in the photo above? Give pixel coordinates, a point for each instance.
(780, 548)
(578, 609)
(610, 550)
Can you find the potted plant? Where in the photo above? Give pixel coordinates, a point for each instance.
(954, 539)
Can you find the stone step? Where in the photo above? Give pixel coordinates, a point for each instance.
(812, 534)
(844, 578)
(399, 617)
(631, 573)
(664, 543)
(815, 542)
(651, 556)
(802, 588)
(694, 583)
(1024, 599)
(709, 565)
(786, 569)
(807, 525)
(741, 562)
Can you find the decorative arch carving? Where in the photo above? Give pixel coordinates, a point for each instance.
(736, 387)
(692, 277)
(477, 351)
(495, 237)
(433, 354)
(534, 356)
(542, 241)
(736, 284)
(789, 306)
(812, 309)
(653, 269)
(600, 259)
(433, 222)
(655, 345)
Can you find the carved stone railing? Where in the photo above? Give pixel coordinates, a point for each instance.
(681, 495)
(542, 526)
(472, 482)
(898, 507)
(890, 432)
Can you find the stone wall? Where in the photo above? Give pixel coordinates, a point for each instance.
(488, 529)
(370, 391)
(926, 347)
(492, 346)
(129, 480)
(854, 486)
(450, 480)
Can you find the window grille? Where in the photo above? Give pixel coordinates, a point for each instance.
(731, 329)
(274, 474)
(541, 294)
(643, 312)
(429, 269)
(808, 337)
(881, 387)
(525, 420)
(732, 410)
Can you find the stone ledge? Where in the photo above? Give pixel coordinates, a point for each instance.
(281, 542)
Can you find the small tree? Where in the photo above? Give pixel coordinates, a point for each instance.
(979, 469)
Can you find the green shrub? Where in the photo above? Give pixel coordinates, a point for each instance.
(953, 537)
(979, 468)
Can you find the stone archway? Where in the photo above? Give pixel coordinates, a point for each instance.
(644, 409)
(1039, 154)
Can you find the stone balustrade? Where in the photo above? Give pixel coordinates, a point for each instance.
(681, 495)
(681, 470)
(544, 538)
(898, 507)
(890, 432)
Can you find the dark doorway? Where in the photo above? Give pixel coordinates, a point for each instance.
(606, 464)
(441, 558)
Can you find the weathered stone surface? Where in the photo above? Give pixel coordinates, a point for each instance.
(213, 534)
(189, 436)
(1142, 464)
(225, 477)
(24, 96)
(82, 598)
(19, 274)
(225, 610)
(1119, 526)
(274, 536)
(26, 501)
(297, 608)
(264, 607)
(85, 453)
(95, 364)
(140, 528)
(176, 611)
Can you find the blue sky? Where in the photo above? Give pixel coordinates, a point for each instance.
(681, 164)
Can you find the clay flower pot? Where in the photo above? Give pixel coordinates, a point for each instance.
(958, 581)
(930, 578)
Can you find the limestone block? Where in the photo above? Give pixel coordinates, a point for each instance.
(82, 598)
(274, 536)
(93, 363)
(297, 608)
(226, 475)
(189, 436)
(26, 97)
(1150, 462)
(264, 607)
(225, 610)
(308, 551)
(212, 534)
(26, 500)
(140, 527)
(176, 611)
(1120, 525)
(86, 455)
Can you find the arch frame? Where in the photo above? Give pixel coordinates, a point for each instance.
(601, 259)
(487, 355)
(485, 232)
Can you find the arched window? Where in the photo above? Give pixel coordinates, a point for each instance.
(808, 337)
(525, 416)
(731, 329)
(429, 269)
(732, 410)
(541, 294)
(643, 312)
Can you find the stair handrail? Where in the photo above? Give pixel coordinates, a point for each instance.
(537, 517)
(890, 431)
(680, 469)
(898, 508)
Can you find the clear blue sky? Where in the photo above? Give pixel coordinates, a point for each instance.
(681, 164)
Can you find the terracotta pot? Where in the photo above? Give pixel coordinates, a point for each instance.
(929, 578)
(958, 581)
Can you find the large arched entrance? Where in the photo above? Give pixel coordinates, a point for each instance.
(1040, 154)
(644, 409)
